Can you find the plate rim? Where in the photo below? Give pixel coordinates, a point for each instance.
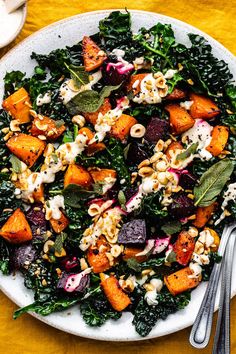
(162, 17)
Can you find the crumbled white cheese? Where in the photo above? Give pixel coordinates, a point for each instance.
(151, 297)
(118, 52)
(196, 269)
(170, 74)
(186, 104)
(53, 207)
(43, 99)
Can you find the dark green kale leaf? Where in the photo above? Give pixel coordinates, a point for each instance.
(4, 152)
(47, 305)
(116, 152)
(96, 310)
(208, 73)
(5, 251)
(13, 81)
(115, 32)
(7, 200)
(151, 206)
(207, 269)
(145, 316)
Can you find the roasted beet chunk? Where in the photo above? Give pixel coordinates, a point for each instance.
(73, 282)
(187, 180)
(136, 154)
(133, 232)
(36, 219)
(181, 207)
(157, 129)
(112, 75)
(23, 256)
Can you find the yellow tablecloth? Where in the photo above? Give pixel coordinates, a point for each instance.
(28, 335)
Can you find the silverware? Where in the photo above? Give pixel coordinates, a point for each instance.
(201, 330)
(222, 335)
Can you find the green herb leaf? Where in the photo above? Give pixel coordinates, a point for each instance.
(78, 75)
(212, 182)
(68, 137)
(16, 164)
(89, 101)
(58, 245)
(187, 153)
(122, 199)
(171, 227)
(134, 265)
(59, 123)
(171, 257)
(74, 195)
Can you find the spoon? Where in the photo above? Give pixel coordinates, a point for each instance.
(222, 336)
(201, 330)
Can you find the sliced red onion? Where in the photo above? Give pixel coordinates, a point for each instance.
(161, 244)
(121, 67)
(77, 282)
(149, 246)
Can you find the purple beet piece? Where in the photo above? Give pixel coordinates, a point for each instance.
(36, 219)
(74, 282)
(130, 192)
(181, 207)
(112, 76)
(187, 180)
(23, 256)
(70, 263)
(156, 129)
(136, 154)
(133, 232)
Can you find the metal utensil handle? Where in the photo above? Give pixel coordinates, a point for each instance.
(222, 336)
(201, 330)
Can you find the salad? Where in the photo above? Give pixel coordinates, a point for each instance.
(117, 173)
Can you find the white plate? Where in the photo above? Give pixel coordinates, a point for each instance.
(12, 24)
(57, 35)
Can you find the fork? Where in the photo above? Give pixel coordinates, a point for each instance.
(201, 330)
(222, 336)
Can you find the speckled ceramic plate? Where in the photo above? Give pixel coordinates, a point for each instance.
(68, 32)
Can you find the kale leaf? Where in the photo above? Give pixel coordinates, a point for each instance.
(5, 251)
(116, 152)
(96, 310)
(145, 316)
(46, 306)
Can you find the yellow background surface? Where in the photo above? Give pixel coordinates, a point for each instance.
(28, 335)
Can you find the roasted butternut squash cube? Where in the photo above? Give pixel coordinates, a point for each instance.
(96, 255)
(131, 252)
(204, 214)
(18, 105)
(93, 56)
(16, 229)
(47, 127)
(219, 138)
(76, 174)
(26, 147)
(176, 94)
(122, 126)
(184, 247)
(91, 149)
(180, 120)
(99, 175)
(59, 225)
(118, 299)
(181, 281)
(203, 107)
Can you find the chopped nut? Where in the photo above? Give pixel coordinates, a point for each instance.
(145, 171)
(79, 120)
(5, 130)
(190, 82)
(42, 137)
(83, 264)
(146, 272)
(8, 136)
(41, 126)
(149, 287)
(44, 282)
(48, 244)
(144, 163)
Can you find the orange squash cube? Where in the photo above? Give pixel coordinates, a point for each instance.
(76, 174)
(16, 229)
(18, 105)
(93, 56)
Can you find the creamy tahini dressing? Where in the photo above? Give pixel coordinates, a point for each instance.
(200, 133)
(53, 207)
(43, 99)
(67, 93)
